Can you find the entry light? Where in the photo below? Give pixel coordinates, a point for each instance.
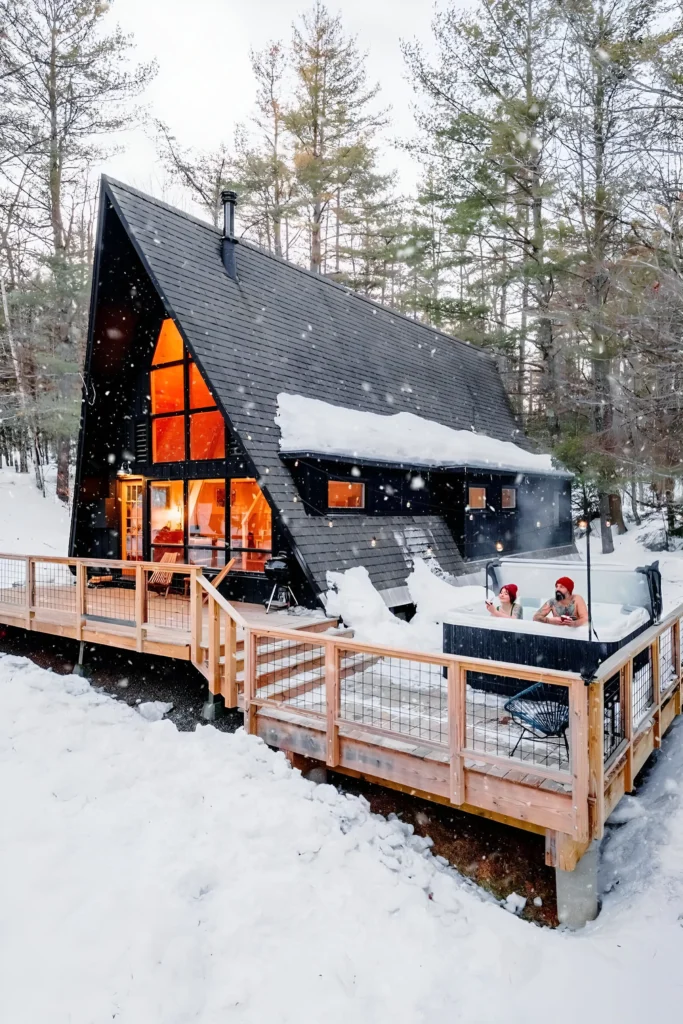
(373, 542)
(499, 546)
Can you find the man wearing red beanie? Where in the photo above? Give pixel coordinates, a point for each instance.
(566, 608)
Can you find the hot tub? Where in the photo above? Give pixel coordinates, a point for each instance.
(624, 603)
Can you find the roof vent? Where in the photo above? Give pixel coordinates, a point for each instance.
(229, 200)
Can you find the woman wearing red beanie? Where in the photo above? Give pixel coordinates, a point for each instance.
(508, 606)
(566, 608)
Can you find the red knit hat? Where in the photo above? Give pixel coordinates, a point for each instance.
(565, 581)
(512, 590)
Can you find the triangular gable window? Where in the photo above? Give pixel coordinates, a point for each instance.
(184, 414)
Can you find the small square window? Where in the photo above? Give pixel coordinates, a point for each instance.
(345, 494)
(508, 497)
(477, 497)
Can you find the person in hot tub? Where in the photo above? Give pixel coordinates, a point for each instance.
(566, 608)
(508, 606)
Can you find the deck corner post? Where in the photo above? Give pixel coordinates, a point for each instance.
(456, 731)
(578, 896)
(30, 588)
(196, 617)
(214, 640)
(230, 663)
(81, 582)
(578, 745)
(655, 655)
(332, 702)
(140, 606)
(596, 759)
(250, 667)
(627, 697)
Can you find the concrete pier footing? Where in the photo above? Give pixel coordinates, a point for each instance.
(578, 899)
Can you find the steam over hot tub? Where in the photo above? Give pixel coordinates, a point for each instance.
(624, 603)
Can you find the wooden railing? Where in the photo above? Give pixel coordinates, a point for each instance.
(426, 722)
(647, 678)
(375, 696)
(100, 599)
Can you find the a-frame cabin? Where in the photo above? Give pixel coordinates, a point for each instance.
(193, 335)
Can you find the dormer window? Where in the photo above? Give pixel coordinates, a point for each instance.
(184, 414)
(345, 494)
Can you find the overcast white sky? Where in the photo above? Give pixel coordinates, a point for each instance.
(204, 85)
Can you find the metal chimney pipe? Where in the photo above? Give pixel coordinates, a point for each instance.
(228, 242)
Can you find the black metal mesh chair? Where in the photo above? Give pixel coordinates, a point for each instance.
(541, 711)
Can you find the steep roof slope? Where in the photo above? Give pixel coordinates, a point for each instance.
(281, 328)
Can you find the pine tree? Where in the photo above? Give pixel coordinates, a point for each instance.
(332, 119)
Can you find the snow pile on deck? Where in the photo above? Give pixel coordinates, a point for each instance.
(309, 425)
(353, 597)
(170, 877)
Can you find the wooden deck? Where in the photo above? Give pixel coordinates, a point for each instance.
(412, 720)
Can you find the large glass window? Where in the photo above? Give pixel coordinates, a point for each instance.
(176, 387)
(345, 494)
(167, 518)
(206, 522)
(251, 532)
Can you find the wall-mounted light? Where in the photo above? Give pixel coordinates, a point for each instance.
(429, 552)
(499, 546)
(373, 542)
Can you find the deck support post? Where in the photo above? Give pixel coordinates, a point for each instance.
(578, 898)
(78, 669)
(213, 707)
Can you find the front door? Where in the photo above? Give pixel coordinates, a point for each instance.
(130, 494)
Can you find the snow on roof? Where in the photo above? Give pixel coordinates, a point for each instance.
(309, 425)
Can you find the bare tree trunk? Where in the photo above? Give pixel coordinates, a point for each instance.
(634, 503)
(605, 530)
(617, 514)
(23, 399)
(63, 459)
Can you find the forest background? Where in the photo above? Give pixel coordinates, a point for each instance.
(547, 225)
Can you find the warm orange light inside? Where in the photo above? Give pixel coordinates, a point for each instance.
(343, 494)
(167, 390)
(477, 497)
(168, 439)
(207, 435)
(200, 396)
(250, 525)
(169, 346)
(166, 518)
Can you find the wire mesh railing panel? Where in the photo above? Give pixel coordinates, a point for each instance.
(667, 667)
(395, 694)
(642, 685)
(12, 581)
(506, 717)
(54, 587)
(613, 718)
(109, 596)
(168, 600)
(291, 673)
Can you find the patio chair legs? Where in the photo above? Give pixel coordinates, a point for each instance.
(524, 732)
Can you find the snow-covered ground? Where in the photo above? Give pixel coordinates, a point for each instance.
(31, 524)
(163, 877)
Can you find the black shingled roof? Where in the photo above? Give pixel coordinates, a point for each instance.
(282, 328)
